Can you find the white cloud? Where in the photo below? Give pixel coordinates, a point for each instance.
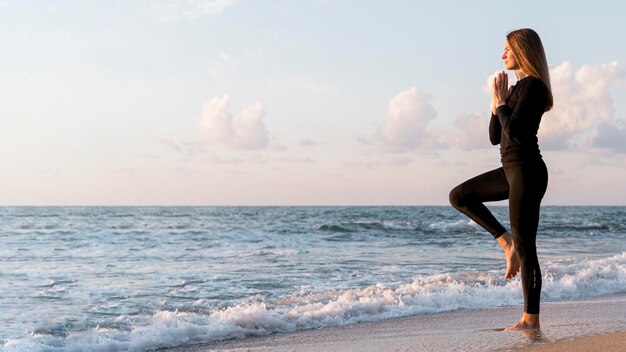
(405, 127)
(582, 100)
(190, 9)
(246, 131)
(471, 131)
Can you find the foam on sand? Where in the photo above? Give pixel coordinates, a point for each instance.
(476, 330)
(308, 310)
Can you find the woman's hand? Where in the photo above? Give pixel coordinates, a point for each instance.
(500, 90)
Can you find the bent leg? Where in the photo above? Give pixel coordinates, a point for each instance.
(468, 198)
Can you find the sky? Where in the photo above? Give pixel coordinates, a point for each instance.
(282, 102)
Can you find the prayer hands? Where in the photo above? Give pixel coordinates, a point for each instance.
(500, 90)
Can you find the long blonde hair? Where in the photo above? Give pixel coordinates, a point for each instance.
(530, 56)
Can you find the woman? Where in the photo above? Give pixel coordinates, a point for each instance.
(523, 177)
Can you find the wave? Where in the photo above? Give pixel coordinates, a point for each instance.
(333, 228)
(454, 225)
(307, 310)
(579, 227)
(368, 225)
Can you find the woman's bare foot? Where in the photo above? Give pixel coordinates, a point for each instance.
(529, 321)
(512, 262)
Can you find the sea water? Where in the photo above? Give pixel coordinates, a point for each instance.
(142, 278)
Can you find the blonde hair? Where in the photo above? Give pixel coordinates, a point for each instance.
(528, 52)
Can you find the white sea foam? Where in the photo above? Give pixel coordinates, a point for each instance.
(453, 226)
(302, 310)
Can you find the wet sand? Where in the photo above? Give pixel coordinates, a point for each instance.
(615, 342)
(595, 324)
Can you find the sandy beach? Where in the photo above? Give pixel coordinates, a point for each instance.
(615, 342)
(590, 325)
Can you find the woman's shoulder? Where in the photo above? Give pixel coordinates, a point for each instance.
(532, 88)
(531, 82)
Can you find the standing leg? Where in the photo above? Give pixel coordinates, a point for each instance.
(528, 185)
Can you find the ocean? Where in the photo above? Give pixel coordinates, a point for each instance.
(142, 278)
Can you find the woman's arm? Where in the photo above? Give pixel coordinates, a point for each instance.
(529, 108)
(495, 130)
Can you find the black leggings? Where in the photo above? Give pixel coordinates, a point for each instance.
(524, 186)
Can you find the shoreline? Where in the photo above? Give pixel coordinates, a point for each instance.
(590, 323)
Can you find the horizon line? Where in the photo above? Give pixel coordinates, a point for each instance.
(276, 205)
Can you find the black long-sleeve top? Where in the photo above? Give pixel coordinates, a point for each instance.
(516, 123)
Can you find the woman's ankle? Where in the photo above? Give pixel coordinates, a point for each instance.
(531, 319)
(505, 240)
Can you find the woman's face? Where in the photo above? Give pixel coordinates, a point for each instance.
(507, 56)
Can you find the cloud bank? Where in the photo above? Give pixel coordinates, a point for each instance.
(471, 131)
(221, 128)
(582, 103)
(405, 128)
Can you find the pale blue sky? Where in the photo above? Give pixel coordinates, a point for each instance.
(347, 102)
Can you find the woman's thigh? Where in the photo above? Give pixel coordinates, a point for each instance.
(528, 185)
(490, 186)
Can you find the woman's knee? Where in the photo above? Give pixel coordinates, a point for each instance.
(456, 197)
(525, 248)
(520, 248)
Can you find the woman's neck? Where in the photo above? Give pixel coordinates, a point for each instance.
(520, 74)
